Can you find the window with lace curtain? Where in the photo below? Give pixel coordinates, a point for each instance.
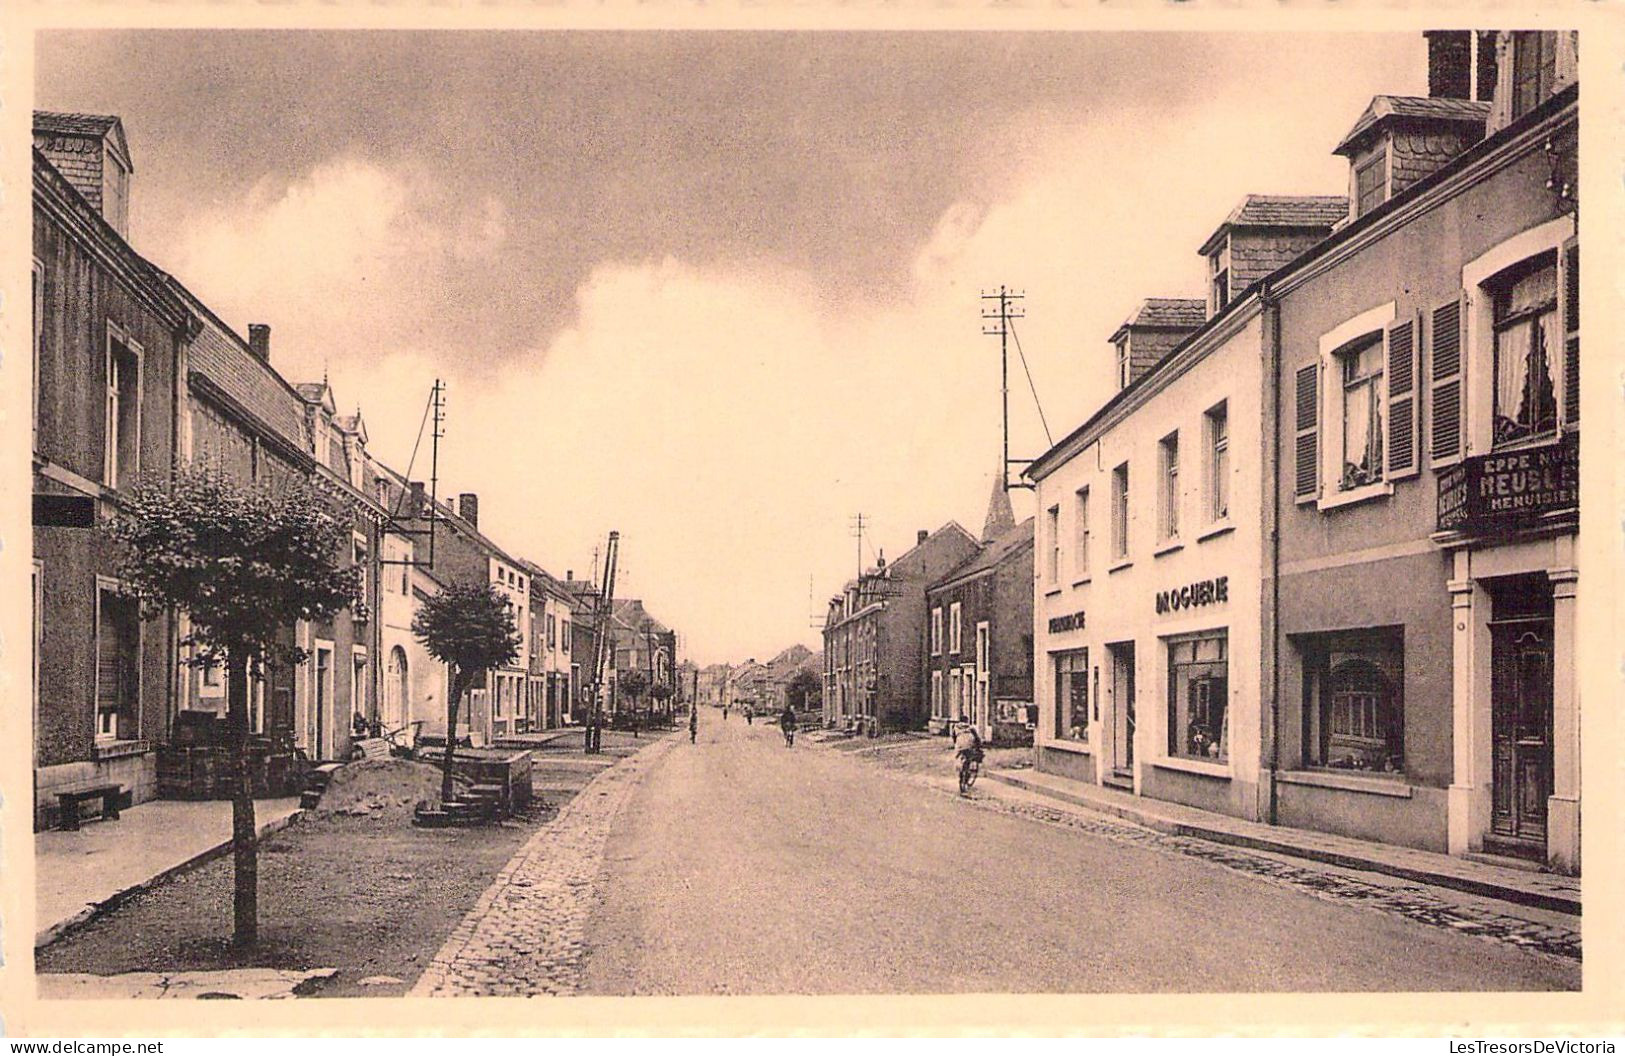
(1526, 337)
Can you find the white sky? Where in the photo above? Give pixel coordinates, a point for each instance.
(717, 291)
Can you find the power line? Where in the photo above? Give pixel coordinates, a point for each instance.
(1036, 403)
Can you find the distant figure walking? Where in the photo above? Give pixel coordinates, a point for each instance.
(787, 723)
(750, 715)
(725, 713)
(693, 723)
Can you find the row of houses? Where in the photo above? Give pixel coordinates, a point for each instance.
(134, 376)
(940, 635)
(793, 675)
(1391, 378)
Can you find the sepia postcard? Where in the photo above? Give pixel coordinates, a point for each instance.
(793, 519)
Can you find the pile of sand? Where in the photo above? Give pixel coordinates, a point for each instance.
(380, 787)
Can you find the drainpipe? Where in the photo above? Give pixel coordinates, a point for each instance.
(1270, 683)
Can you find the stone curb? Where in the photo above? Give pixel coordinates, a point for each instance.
(92, 911)
(1488, 888)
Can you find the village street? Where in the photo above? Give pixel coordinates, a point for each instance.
(740, 866)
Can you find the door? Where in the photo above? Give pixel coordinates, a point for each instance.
(1521, 729)
(1122, 654)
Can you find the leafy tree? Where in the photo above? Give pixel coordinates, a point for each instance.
(660, 692)
(633, 683)
(242, 562)
(805, 691)
(470, 628)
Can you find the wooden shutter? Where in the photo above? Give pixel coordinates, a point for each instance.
(1569, 291)
(1446, 385)
(1403, 458)
(1306, 476)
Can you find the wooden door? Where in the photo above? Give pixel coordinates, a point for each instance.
(1521, 728)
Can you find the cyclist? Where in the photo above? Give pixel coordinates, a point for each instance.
(787, 723)
(968, 754)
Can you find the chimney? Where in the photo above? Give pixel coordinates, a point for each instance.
(420, 499)
(90, 152)
(921, 536)
(569, 574)
(259, 341)
(1450, 63)
(468, 508)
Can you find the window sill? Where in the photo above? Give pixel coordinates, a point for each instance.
(1371, 784)
(1218, 528)
(1365, 493)
(1172, 546)
(1119, 566)
(1077, 747)
(1084, 582)
(1052, 592)
(1193, 766)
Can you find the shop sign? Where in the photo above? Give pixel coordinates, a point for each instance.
(64, 511)
(1072, 621)
(1502, 490)
(1191, 595)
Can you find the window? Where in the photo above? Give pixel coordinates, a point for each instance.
(360, 556)
(1052, 558)
(1120, 511)
(552, 632)
(1218, 266)
(1122, 364)
(1080, 529)
(1371, 183)
(1360, 364)
(936, 631)
(121, 426)
(1526, 339)
(564, 637)
(118, 663)
(1071, 694)
(1218, 462)
(953, 628)
(39, 339)
(1198, 692)
(1168, 497)
(956, 703)
(1353, 701)
(936, 696)
(1534, 69)
(358, 683)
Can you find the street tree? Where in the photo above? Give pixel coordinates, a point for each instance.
(633, 683)
(470, 628)
(660, 692)
(242, 562)
(805, 692)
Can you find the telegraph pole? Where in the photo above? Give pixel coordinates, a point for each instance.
(998, 310)
(856, 531)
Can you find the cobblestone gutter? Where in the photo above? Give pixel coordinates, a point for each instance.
(525, 936)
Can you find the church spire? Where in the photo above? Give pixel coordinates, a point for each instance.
(1000, 517)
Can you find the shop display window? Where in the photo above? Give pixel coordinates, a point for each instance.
(1354, 717)
(1072, 695)
(1198, 698)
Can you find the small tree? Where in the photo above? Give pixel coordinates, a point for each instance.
(243, 562)
(633, 683)
(805, 691)
(469, 628)
(660, 692)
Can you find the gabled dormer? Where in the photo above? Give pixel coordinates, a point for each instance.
(1400, 139)
(1153, 330)
(1263, 233)
(353, 432)
(89, 150)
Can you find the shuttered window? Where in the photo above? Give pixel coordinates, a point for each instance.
(1446, 385)
(1403, 460)
(1306, 478)
(1570, 288)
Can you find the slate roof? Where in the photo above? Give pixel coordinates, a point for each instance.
(85, 125)
(1181, 312)
(630, 614)
(1301, 211)
(1423, 108)
(991, 555)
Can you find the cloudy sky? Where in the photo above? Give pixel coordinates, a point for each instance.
(718, 291)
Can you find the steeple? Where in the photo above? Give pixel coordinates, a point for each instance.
(1000, 517)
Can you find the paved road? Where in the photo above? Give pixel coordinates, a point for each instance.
(741, 866)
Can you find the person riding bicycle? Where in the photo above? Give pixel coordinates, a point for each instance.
(787, 723)
(967, 751)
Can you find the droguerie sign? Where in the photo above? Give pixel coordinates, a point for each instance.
(1498, 490)
(1191, 595)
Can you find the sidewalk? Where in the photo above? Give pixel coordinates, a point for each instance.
(1525, 887)
(79, 874)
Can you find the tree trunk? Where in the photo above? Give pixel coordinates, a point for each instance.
(458, 683)
(244, 842)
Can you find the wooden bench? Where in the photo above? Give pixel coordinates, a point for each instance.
(68, 803)
(370, 748)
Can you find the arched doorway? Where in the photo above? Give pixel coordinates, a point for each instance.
(397, 695)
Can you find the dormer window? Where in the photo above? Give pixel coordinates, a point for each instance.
(1122, 364)
(1371, 182)
(1218, 266)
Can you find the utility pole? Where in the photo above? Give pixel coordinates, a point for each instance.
(999, 309)
(605, 602)
(856, 530)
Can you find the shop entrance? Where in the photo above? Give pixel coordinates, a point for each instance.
(1521, 713)
(1122, 761)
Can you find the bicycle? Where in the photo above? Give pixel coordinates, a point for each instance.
(970, 765)
(790, 737)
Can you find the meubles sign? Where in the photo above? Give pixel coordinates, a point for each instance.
(1504, 489)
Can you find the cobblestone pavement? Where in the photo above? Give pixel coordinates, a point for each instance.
(525, 935)
(1545, 932)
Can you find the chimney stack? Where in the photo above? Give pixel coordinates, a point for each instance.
(921, 536)
(420, 499)
(259, 341)
(468, 508)
(1450, 63)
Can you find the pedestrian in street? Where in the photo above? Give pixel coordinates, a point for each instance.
(725, 713)
(787, 723)
(693, 724)
(750, 716)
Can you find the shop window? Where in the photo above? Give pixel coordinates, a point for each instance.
(1198, 698)
(1354, 708)
(1218, 462)
(1361, 366)
(1526, 336)
(1072, 695)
